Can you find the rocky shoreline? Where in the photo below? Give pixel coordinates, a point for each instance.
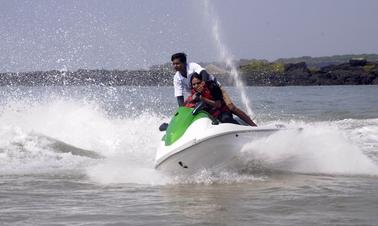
(357, 71)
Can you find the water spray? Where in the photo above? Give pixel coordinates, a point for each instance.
(226, 57)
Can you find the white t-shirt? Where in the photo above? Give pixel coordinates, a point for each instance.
(181, 83)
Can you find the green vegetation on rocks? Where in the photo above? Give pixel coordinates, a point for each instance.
(262, 67)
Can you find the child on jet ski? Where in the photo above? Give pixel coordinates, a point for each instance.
(210, 93)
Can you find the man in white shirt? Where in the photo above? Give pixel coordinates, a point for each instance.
(182, 83)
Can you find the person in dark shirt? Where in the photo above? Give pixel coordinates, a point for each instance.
(210, 93)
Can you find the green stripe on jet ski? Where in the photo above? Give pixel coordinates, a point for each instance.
(182, 119)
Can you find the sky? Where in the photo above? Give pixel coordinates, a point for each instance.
(131, 34)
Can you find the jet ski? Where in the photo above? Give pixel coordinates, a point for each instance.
(194, 141)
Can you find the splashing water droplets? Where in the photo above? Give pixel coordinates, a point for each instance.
(225, 55)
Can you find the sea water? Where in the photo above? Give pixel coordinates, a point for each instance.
(85, 156)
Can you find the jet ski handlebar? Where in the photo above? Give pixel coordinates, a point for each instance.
(200, 105)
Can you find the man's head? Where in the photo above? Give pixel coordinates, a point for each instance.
(179, 61)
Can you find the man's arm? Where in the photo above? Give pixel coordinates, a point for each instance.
(180, 100)
(213, 103)
(202, 71)
(179, 90)
(205, 75)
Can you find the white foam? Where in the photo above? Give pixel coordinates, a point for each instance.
(363, 132)
(122, 169)
(80, 124)
(318, 148)
(22, 153)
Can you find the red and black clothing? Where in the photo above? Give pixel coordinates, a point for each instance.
(212, 91)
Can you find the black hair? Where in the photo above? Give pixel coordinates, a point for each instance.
(212, 84)
(180, 56)
(195, 75)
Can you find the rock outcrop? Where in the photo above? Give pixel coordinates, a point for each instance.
(355, 72)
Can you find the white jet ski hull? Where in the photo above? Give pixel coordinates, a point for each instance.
(209, 146)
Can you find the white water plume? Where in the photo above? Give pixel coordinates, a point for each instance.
(225, 55)
(317, 148)
(67, 134)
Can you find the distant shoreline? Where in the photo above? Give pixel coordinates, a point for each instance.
(283, 72)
